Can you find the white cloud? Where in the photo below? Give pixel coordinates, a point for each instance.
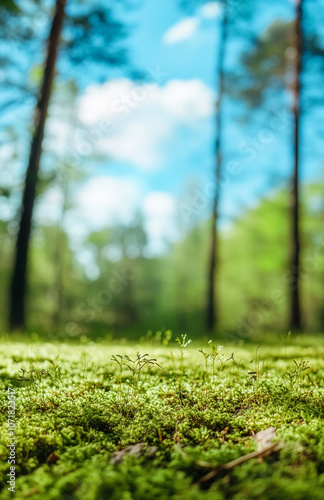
(188, 101)
(101, 202)
(59, 134)
(132, 123)
(159, 209)
(210, 10)
(107, 200)
(187, 27)
(182, 30)
(159, 203)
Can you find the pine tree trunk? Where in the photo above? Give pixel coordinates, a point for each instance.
(211, 313)
(19, 278)
(295, 320)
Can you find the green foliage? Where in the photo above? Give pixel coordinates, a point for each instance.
(266, 66)
(168, 290)
(75, 409)
(9, 5)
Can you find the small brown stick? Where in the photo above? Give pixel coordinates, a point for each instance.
(230, 465)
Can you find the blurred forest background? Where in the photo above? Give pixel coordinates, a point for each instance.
(165, 170)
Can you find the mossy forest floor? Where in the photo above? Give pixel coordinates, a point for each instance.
(192, 411)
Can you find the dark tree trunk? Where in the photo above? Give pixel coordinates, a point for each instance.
(18, 282)
(295, 320)
(211, 313)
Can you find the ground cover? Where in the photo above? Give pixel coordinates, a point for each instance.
(151, 420)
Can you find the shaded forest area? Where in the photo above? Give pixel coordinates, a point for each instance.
(262, 270)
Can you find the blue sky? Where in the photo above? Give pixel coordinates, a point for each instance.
(160, 153)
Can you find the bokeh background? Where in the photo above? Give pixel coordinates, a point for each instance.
(121, 224)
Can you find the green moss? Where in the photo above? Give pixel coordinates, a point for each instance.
(76, 407)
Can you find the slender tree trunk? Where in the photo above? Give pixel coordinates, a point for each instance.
(18, 283)
(211, 313)
(295, 320)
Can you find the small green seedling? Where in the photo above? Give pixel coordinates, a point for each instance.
(183, 343)
(207, 357)
(294, 377)
(215, 353)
